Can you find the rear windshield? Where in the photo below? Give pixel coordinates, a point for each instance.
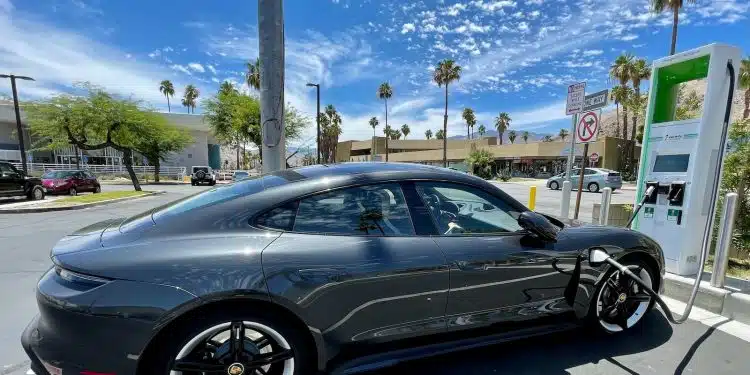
(58, 174)
(196, 169)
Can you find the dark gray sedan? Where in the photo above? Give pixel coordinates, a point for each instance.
(341, 268)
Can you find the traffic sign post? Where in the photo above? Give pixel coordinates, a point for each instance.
(573, 105)
(596, 100)
(586, 132)
(594, 157)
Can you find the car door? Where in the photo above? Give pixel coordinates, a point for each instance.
(90, 180)
(352, 264)
(499, 272)
(11, 180)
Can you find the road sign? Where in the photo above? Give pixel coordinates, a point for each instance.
(596, 100)
(576, 93)
(587, 128)
(594, 157)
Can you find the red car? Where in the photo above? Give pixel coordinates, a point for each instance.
(71, 182)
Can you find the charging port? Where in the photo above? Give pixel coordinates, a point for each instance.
(651, 199)
(676, 193)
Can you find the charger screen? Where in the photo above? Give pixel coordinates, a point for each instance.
(671, 163)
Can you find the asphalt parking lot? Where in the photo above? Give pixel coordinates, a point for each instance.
(656, 347)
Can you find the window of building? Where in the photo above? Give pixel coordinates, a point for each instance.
(378, 210)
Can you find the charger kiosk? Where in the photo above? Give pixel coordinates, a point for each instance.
(680, 158)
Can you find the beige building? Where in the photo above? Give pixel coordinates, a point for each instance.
(539, 156)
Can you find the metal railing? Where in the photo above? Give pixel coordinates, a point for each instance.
(177, 172)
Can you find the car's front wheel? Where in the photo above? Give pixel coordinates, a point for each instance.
(73, 191)
(36, 194)
(554, 185)
(237, 343)
(620, 302)
(593, 187)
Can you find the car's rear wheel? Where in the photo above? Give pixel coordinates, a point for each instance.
(36, 194)
(554, 185)
(73, 191)
(620, 302)
(97, 189)
(236, 344)
(593, 187)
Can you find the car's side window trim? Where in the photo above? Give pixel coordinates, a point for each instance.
(424, 224)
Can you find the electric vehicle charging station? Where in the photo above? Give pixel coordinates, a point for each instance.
(682, 160)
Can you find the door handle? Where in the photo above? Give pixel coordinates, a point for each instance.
(330, 274)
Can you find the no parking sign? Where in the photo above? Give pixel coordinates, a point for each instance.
(587, 128)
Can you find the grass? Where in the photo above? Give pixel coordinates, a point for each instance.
(739, 268)
(90, 198)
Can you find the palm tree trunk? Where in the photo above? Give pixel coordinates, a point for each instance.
(169, 107)
(157, 167)
(624, 122)
(445, 129)
(633, 128)
(500, 134)
(746, 112)
(238, 156)
(675, 21)
(617, 108)
(386, 126)
(127, 159)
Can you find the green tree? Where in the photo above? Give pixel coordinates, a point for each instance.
(502, 123)
(688, 105)
(674, 6)
(439, 134)
(547, 138)
(471, 119)
(395, 134)
(619, 95)
(166, 88)
(639, 71)
(428, 134)
(330, 129)
(385, 92)
(637, 105)
(227, 87)
(162, 140)
(744, 81)
(405, 130)
(482, 130)
(446, 72)
(480, 161)
(620, 71)
(512, 136)
(563, 134)
(190, 97)
(388, 132)
(525, 137)
(92, 122)
(736, 177)
(374, 124)
(252, 75)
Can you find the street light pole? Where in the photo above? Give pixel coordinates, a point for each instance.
(317, 120)
(271, 51)
(19, 128)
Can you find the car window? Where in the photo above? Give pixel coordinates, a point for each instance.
(89, 175)
(196, 169)
(364, 210)
(281, 218)
(6, 168)
(589, 172)
(460, 210)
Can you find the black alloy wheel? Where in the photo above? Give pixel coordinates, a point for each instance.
(620, 302)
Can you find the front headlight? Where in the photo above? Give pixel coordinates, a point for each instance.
(79, 278)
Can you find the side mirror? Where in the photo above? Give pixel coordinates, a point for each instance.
(538, 225)
(597, 256)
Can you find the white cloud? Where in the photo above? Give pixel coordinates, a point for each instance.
(214, 80)
(155, 54)
(593, 52)
(167, 49)
(196, 67)
(523, 26)
(408, 27)
(181, 68)
(534, 2)
(629, 37)
(534, 14)
(493, 6)
(453, 10)
(411, 105)
(211, 68)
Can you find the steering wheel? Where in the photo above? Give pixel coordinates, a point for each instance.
(444, 217)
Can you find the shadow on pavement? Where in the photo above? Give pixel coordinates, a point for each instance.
(550, 355)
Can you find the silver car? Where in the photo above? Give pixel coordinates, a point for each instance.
(239, 175)
(594, 179)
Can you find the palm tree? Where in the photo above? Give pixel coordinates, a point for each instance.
(471, 119)
(525, 137)
(405, 130)
(440, 135)
(428, 134)
(620, 70)
(387, 131)
(191, 96)
(186, 103)
(446, 72)
(166, 88)
(512, 136)
(547, 138)
(620, 95)
(482, 130)
(563, 134)
(502, 123)
(659, 6)
(639, 71)
(745, 84)
(252, 76)
(395, 134)
(226, 87)
(374, 124)
(385, 92)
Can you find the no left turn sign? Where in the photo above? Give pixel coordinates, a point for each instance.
(587, 128)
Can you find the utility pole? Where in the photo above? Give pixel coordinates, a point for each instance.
(317, 120)
(271, 33)
(19, 127)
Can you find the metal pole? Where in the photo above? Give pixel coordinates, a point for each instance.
(19, 127)
(604, 208)
(317, 119)
(571, 155)
(580, 181)
(565, 203)
(271, 33)
(726, 228)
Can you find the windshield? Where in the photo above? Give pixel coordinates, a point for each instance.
(196, 169)
(58, 174)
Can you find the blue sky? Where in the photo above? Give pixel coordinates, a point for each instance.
(518, 55)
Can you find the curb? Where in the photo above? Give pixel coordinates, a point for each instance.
(732, 304)
(77, 207)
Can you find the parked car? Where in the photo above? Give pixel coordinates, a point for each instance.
(14, 183)
(543, 175)
(239, 175)
(203, 175)
(594, 179)
(363, 265)
(71, 182)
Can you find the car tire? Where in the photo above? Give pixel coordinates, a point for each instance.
(627, 313)
(97, 189)
(279, 336)
(554, 185)
(73, 191)
(593, 187)
(36, 194)
(192, 183)
(212, 183)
